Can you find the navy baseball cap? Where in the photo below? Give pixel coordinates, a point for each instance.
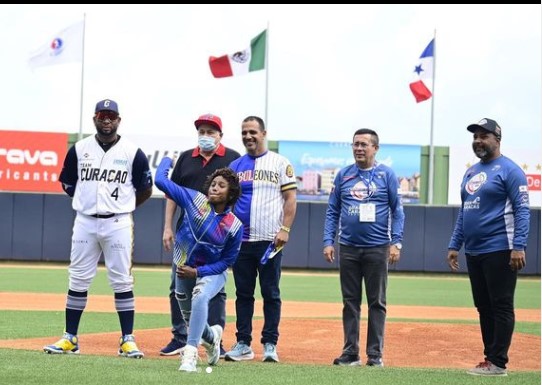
(487, 124)
(210, 119)
(107, 105)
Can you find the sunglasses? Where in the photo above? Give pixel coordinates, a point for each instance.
(103, 115)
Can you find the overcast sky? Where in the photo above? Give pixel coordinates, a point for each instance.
(332, 69)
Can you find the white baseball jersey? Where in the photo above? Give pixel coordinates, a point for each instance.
(263, 179)
(104, 184)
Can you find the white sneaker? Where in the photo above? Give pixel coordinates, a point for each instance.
(487, 368)
(189, 359)
(270, 353)
(239, 352)
(213, 349)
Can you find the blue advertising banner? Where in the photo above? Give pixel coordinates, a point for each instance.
(316, 163)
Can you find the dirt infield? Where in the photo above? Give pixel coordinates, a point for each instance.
(408, 344)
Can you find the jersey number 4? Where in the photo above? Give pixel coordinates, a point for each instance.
(115, 193)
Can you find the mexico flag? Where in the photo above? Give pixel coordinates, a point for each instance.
(242, 62)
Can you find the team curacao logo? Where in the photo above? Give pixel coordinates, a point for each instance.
(476, 182)
(360, 191)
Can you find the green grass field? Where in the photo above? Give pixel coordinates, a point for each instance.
(35, 367)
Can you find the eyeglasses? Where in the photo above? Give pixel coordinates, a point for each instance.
(103, 115)
(360, 145)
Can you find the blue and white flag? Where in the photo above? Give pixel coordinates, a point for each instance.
(65, 47)
(423, 74)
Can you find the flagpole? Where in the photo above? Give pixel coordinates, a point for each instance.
(267, 74)
(431, 147)
(80, 136)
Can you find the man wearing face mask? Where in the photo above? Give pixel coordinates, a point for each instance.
(191, 170)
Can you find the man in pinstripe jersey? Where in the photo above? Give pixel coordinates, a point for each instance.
(267, 209)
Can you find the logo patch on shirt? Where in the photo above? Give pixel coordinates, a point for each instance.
(360, 191)
(472, 205)
(289, 171)
(523, 188)
(476, 182)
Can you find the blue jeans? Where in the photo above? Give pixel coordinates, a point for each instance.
(217, 311)
(493, 285)
(356, 265)
(245, 270)
(194, 296)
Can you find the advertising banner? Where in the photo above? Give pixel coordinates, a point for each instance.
(316, 164)
(31, 161)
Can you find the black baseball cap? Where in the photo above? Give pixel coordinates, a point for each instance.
(487, 124)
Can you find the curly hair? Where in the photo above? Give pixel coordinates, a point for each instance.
(234, 191)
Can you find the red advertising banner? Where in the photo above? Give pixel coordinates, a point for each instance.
(31, 161)
(533, 182)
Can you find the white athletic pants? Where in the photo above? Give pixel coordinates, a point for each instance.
(114, 237)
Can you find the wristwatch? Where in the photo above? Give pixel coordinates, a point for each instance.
(398, 245)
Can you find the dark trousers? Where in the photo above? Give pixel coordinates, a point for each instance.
(369, 265)
(217, 311)
(245, 270)
(493, 284)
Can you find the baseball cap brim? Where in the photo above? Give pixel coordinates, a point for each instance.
(474, 127)
(199, 122)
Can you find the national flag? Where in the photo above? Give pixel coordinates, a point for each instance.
(423, 74)
(65, 47)
(241, 62)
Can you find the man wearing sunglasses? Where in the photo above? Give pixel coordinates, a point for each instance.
(108, 177)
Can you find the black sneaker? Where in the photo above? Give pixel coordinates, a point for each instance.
(347, 360)
(173, 348)
(375, 361)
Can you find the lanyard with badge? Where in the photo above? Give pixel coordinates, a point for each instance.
(367, 211)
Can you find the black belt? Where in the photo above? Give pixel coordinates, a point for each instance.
(100, 216)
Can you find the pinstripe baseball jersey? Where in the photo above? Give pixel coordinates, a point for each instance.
(105, 182)
(263, 179)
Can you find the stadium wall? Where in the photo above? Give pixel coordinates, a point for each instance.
(38, 227)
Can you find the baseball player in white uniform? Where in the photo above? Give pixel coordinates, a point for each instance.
(108, 177)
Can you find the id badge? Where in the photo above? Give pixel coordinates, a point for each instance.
(367, 212)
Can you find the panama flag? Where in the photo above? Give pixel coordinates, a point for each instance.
(423, 74)
(65, 47)
(242, 62)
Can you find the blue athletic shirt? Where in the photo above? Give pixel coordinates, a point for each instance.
(349, 191)
(494, 213)
(205, 240)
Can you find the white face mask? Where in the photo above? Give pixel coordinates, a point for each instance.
(206, 143)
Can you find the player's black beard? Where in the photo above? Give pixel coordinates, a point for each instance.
(485, 152)
(107, 134)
